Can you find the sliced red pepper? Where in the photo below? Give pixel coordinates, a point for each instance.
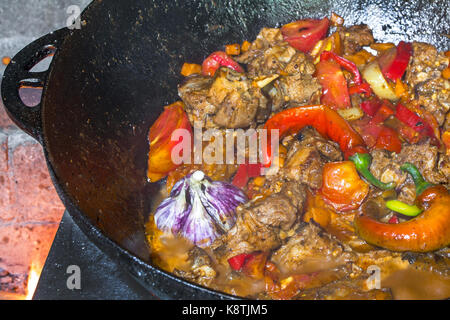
(412, 120)
(384, 112)
(334, 85)
(371, 106)
(393, 62)
(245, 172)
(304, 34)
(216, 60)
(361, 88)
(344, 63)
(238, 261)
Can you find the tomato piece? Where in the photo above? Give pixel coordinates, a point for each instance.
(393, 62)
(304, 34)
(160, 136)
(388, 140)
(334, 85)
(342, 188)
(216, 60)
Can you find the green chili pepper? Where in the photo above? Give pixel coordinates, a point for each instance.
(403, 208)
(362, 163)
(420, 183)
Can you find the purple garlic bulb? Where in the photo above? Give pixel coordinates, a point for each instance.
(199, 209)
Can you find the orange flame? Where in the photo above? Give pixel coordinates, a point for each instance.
(33, 279)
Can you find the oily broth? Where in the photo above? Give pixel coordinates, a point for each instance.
(171, 252)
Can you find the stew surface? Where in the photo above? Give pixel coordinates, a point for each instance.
(311, 163)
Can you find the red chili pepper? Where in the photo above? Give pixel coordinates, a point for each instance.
(344, 63)
(412, 120)
(325, 120)
(393, 63)
(216, 60)
(361, 88)
(237, 262)
(304, 34)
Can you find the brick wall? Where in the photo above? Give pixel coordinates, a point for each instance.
(30, 209)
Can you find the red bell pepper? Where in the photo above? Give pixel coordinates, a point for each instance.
(393, 62)
(334, 85)
(361, 88)
(344, 63)
(371, 106)
(384, 112)
(245, 172)
(412, 120)
(251, 264)
(304, 34)
(240, 179)
(236, 262)
(216, 60)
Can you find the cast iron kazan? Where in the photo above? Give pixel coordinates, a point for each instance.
(109, 80)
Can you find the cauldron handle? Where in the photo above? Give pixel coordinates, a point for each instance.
(18, 75)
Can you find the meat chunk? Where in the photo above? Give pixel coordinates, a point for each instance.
(261, 224)
(194, 93)
(201, 268)
(424, 156)
(270, 55)
(310, 242)
(306, 158)
(423, 75)
(355, 37)
(226, 101)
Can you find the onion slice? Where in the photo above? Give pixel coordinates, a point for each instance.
(372, 74)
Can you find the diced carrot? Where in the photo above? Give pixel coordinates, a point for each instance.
(447, 54)
(6, 60)
(446, 140)
(446, 73)
(190, 68)
(245, 46)
(233, 49)
(400, 89)
(380, 47)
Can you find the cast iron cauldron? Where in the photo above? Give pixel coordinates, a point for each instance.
(109, 80)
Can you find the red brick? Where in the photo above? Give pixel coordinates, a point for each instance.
(5, 121)
(21, 245)
(37, 199)
(5, 181)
